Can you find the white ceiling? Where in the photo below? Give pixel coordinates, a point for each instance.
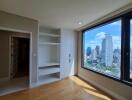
(62, 13)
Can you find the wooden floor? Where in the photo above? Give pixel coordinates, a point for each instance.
(71, 88)
(14, 85)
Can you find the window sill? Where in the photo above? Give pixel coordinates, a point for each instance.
(110, 77)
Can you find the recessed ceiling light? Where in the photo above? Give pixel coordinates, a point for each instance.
(80, 23)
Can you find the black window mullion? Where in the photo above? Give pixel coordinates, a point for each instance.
(129, 25)
(126, 49)
(122, 49)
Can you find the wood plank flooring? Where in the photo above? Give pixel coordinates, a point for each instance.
(71, 88)
(13, 85)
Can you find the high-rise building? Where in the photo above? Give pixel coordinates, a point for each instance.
(117, 57)
(107, 50)
(97, 48)
(94, 55)
(85, 58)
(88, 51)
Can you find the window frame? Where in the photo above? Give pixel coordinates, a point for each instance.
(125, 49)
(128, 18)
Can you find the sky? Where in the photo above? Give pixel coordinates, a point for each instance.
(95, 36)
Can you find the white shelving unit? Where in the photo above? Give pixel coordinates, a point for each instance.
(51, 35)
(48, 79)
(48, 70)
(49, 43)
(50, 64)
(48, 58)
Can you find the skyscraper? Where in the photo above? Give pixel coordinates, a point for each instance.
(107, 50)
(97, 50)
(88, 51)
(94, 55)
(116, 55)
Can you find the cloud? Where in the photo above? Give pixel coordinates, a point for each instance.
(100, 35)
(116, 41)
(118, 23)
(116, 38)
(92, 42)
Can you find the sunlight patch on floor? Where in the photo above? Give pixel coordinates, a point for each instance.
(89, 89)
(81, 83)
(97, 94)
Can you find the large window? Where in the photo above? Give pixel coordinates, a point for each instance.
(107, 48)
(102, 49)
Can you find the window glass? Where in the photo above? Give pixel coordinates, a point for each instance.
(102, 49)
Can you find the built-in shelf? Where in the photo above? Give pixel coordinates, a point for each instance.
(50, 64)
(49, 46)
(51, 35)
(48, 79)
(49, 43)
(48, 70)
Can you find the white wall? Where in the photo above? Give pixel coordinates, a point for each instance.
(68, 46)
(11, 21)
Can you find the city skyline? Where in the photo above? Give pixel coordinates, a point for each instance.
(102, 48)
(95, 36)
(106, 55)
(105, 59)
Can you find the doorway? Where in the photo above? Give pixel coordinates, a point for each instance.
(19, 66)
(14, 61)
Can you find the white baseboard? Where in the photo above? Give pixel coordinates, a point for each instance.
(4, 79)
(112, 93)
(33, 85)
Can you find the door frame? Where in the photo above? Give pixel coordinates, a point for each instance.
(30, 56)
(10, 57)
